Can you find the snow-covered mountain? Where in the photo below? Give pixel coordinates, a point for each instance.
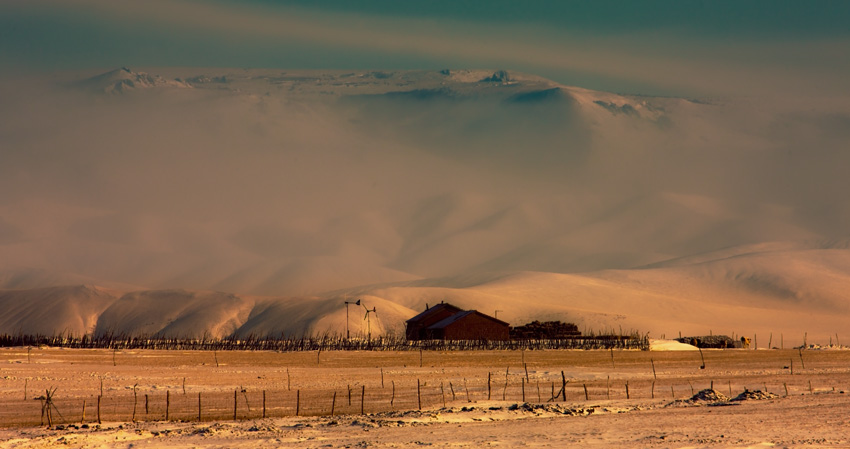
(168, 183)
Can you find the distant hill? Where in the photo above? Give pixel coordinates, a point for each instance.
(497, 190)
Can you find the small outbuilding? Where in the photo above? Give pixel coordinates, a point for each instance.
(448, 322)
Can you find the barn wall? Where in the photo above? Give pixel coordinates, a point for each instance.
(476, 327)
(416, 330)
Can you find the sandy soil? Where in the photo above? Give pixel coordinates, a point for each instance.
(658, 412)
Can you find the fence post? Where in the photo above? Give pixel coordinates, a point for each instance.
(522, 381)
(627, 390)
(586, 397)
(264, 403)
(98, 409)
(167, 403)
(235, 391)
(83, 419)
(199, 406)
(443, 392)
(146, 406)
(362, 397)
(564, 386)
(488, 385)
(333, 404)
(297, 402)
(419, 394)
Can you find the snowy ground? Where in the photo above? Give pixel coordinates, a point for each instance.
(659, 412)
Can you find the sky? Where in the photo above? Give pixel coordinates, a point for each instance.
(694, 48)
(253, 188)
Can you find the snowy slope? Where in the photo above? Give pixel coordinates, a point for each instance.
(291, 184)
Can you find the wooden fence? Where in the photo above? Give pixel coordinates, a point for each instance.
(322, 343)
(51, 408)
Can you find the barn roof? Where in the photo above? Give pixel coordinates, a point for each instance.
(435, 309)
(458, 316)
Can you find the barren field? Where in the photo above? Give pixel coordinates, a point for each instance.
(437, 399)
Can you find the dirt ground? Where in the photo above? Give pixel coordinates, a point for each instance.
(613, 398)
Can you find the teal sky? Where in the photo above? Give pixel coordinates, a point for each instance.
(652, 47)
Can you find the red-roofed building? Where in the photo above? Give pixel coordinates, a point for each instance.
(448, 322)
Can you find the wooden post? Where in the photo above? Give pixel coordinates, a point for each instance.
(505, 390)
(419, 394)
(26, 381)
(564, 386)
(672, 393)
(167, 403)
(382, 377)
(288, 383)
(586, 396)
(525, 365)
(730, 388)
(608, 387)
(627, 390)
(653, 390)
(333, 404)
(297, 402)
(452, 389)
(539, 400)
(184, 385)
(113, 357)
(802, 362)
(443, 393)
(786, 388)
(235, 395)
(488, 385)
(135, 400)
(466, 387)
(146, 406)
(792, 367)
(98, 410)
(362, 398)
(392, 398)
(264, 402)
(522, 381)
(612, 357)
(420, 358)
(654, 376)
(349, 394)
(199, 406)
(83, 419)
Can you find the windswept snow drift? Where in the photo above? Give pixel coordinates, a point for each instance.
(412, 187)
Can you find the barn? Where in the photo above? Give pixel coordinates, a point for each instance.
(448, 322)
